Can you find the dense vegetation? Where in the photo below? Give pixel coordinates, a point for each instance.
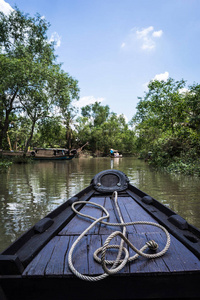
(36, 106)
(32, 84)
(104, 130)
(168, 125)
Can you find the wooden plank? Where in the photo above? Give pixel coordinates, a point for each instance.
(78, 224)
(106, 229)
(58, 263)
(130, 209)
(39, 263)
(55, 265)
(141, 264)
(94, 242)
(137, 213)
(53, 259)
(125, 214)
(178, 257)
(160, 239)
(79, 258)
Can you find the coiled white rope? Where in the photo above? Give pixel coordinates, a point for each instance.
(119, 263)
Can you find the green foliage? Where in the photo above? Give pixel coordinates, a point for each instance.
(104, 130)
(168, 124)
(30, 79)
(51, 133)
(4, 164)
(96, 112)
(192, 100)
(162, 106)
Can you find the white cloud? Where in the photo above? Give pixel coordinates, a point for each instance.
(87, 100)
(148, 44)
(144, 38)
(147, 36)
(5, 7)
(56, 39)
(144, 32)
(162, 76)
(157, 33)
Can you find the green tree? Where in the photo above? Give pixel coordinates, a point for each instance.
(161, 111)
(65, 90)
(30, 78)
(23, 44)
(10, 77)
(18, 131)
(167, 123)
(104, 130)
(193, 106)
(162, 106)
(51, 132)
(96, 112)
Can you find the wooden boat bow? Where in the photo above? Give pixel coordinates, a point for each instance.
(38, 260)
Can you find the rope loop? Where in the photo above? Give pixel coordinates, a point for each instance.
(118, 263)
(152, 245)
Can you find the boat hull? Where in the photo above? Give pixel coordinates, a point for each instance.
(47, 154)
(53, 158)
(130, 287)
(36, 265)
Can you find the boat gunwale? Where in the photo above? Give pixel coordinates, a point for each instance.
(186, 233)
(26, 247)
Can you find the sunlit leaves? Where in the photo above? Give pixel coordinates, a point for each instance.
(30, 79)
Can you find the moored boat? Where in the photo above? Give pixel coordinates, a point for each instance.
(110, 241)
(52, 154)
(43, 154)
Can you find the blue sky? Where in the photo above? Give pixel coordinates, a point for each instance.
(115, 47)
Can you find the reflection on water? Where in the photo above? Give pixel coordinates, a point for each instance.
(30, 191)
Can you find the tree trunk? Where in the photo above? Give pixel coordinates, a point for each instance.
(68, 138)
(5, 124)
(30, 138)
(4, 129)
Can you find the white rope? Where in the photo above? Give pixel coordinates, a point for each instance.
(119, 263)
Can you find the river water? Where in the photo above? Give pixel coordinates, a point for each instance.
(28, 192)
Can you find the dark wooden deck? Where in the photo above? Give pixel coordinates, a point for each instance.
(36, 265)
(52, 260)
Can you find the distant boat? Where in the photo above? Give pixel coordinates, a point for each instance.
(44, 154)
(114, 153)
(53, 154)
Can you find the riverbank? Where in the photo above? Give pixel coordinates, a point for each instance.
(183, 164)
(4, 164)
(186, 163)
